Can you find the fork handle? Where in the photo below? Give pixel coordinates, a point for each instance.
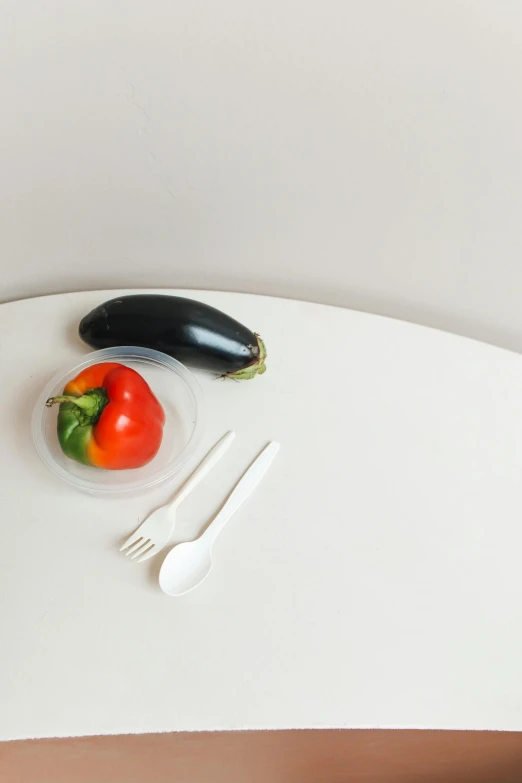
(213, 456)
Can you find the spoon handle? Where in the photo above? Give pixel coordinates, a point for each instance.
(244, 487)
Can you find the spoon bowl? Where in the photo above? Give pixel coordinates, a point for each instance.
(185, 567)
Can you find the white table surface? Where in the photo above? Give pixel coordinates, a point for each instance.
(374, 580)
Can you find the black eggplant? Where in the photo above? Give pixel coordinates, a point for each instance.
(190, 331)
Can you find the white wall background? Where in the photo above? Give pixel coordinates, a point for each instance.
(361, 153)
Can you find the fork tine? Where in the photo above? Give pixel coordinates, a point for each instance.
(138, 545)
(145, 554)
(139, 549)
(131, 540)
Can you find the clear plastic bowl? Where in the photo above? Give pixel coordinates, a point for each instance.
(181, 398)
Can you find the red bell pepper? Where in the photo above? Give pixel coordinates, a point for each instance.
(109, 418)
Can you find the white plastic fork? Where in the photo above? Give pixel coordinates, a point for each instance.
(154, 533)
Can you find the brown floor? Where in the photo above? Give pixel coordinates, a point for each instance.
(269, 757)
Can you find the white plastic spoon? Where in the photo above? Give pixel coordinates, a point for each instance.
(187, 565)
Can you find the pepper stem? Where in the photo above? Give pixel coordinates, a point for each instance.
(90, 404)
